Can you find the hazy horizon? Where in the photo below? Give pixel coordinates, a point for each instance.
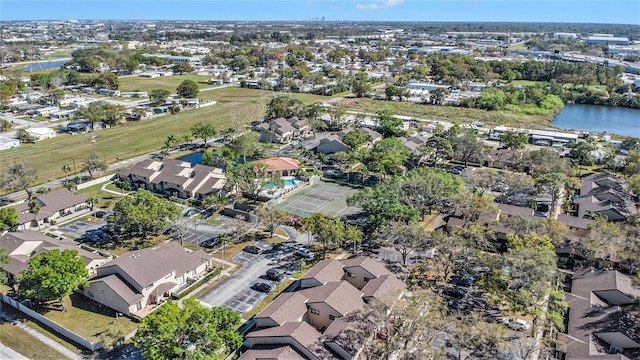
(622, 12)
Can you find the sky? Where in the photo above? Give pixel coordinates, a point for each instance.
(568, 11)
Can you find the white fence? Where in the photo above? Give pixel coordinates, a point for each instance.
(53, 325)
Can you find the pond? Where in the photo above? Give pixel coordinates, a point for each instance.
(603, 119)
(194, 158)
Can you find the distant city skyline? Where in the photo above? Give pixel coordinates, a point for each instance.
(567, 11)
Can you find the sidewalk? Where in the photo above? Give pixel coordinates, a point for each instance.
(51, 343)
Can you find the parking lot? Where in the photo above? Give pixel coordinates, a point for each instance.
(235, 293)
(77, 229)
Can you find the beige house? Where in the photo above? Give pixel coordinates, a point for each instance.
(283, 130)
(53, 206)
(176, 178)
(308, 323)
(22, 245)
(142, 279)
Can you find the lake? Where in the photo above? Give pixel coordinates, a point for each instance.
(612, 120)
(44, 65)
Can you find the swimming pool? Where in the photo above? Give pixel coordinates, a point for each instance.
(287, 183)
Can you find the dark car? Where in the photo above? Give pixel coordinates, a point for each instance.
(91, 237)
(463, 280)
(262, 287)
(455, 292)
(274, 274)
(100, 214)
(101, 234)
(252, 249)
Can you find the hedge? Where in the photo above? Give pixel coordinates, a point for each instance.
(198, 283)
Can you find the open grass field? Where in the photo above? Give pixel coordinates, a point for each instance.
(450, 113)
(138, 138)
(23, 343)
(137, 83)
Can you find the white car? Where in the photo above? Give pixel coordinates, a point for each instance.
(305, 253)
(517, 324)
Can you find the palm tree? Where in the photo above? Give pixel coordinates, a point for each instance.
(92, 202)
(34, 208)
(66, 169)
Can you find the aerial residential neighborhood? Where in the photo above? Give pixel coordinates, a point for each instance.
(353, 180)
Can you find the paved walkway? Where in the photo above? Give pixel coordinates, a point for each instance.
(51, 343)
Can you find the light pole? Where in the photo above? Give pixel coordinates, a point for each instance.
(93, 141)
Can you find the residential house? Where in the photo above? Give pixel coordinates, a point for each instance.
(283, 130)
(280, 166)
(108, 92)
(310, 323)
(412, 144)
(175, 178)
(145, 278)
(43, 133)
(53, 206)
(607, 195)
(22, 245)
(46, 111)
(599, 321)
(331, 144)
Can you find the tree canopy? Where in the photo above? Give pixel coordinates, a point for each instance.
(194, 332)
(389, 125)
(188, 89)
(143, 212)
(204, 131)
(52, 275)
(8, 217)
(19, 175)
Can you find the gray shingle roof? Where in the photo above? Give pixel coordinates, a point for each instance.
(151, 264)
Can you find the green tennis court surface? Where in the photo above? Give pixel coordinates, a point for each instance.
(327, 198)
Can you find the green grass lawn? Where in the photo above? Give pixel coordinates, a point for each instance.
(131, 83)
(136, 138)
(451, 113)
(106, 200)
(23, 343)
(86, 317)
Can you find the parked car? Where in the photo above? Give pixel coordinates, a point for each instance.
(101, 234)
(455, 292)
(274, 274)
(262, 287)
(519, 324)
(463, 280)
(305, 253)
(515, 324)
(91, 237)
(455, 171)
(100, 214)
(252, 249)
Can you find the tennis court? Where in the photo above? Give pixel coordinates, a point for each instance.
(327, 198)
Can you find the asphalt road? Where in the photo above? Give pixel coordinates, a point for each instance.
(8, 354)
